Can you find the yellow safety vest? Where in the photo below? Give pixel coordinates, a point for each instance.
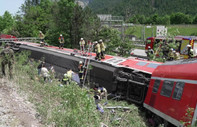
(97, 48)
(102, 46)
(41, 36)
(82, 43)
(69, 74)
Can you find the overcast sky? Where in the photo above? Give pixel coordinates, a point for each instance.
(10, 5)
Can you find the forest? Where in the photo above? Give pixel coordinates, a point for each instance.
(145, 7)
(149, 11)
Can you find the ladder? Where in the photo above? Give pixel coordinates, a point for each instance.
(87, 61)
(31, 39)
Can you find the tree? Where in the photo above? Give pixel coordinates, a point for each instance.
(34, 18)
(114, 44)
(180, 18)
(6, 22)
(195, 20)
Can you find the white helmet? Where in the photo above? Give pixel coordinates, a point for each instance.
(80, 62)
(191, 50)
(174, 51)
(100, 40)
(40, 31)
(171, 49)
(81, 39)
(96, 42)
(60, 34)
(65, 75)
(188, 46)
(148, 47)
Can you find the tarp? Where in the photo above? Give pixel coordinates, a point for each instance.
(75, 77)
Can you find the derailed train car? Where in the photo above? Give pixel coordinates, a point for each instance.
(172, 92)
(167, 90)
(124, 77)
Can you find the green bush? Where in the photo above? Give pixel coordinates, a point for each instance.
(68, 106)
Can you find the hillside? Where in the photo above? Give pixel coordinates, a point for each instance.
(146, 7)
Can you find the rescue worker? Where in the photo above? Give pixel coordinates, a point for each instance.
(98, 51)
(190, 51)
(41, 36)
(102, 49)
(171, 55)
(149, 52)
(45, 73)
(40, 66)
(69, 75)
(65, 79)
(82, 45)
(61, 41)
(81, 70)
(176, 55)
(7, 55)
(100, 91)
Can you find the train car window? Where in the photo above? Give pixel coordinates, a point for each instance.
(152, 65)
(178, 90)
(167, 88)
(156, 86)
(141, 63)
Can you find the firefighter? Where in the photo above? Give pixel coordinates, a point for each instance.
(69, 74)
(80, 68)
(171, 55)
(41, 36)
(190, 51)
(40, 66)
(82, 45)
(7, 55)
(102, 49)
(101, 92)
(45, 73)
(98, 51)
(176, 55)
(65, 79)
(61, 41)
(150, 52)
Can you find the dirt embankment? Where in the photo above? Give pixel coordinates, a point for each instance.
(15, 109)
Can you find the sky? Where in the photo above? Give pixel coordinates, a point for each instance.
(10, 5)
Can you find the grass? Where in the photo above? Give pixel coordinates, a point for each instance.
(186, 30)
(69, 106)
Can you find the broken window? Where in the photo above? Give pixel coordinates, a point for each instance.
(167, 88)
(178, 90)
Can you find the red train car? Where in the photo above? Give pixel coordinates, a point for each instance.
(172, 92)
(5, 36)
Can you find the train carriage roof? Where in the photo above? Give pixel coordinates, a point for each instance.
(115, 61)
(181, 69)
